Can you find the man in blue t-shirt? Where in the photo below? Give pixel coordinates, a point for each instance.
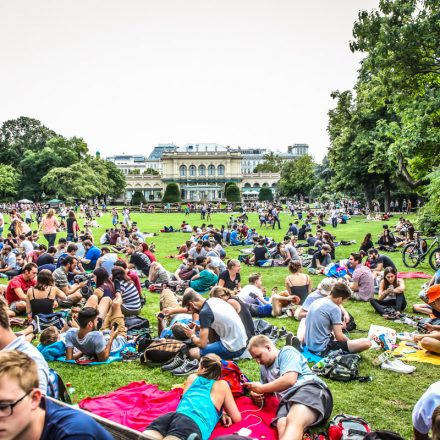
(26, 414)
(92, 255)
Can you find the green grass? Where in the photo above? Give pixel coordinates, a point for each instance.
(386, 402)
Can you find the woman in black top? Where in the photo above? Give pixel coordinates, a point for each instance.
(260, 253)
(367, 243)
(72, 227)
(230, 278)
(387, 241)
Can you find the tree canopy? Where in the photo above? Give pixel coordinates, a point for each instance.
(272, 163)
(298, 176)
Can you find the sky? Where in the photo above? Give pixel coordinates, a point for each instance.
(127, 75)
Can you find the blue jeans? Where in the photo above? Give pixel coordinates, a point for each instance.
(219, 349)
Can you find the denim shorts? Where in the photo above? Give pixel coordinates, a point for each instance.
(219, 349)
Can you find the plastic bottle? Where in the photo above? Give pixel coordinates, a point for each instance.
(70, 388)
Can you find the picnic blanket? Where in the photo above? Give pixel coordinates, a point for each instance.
(114, 357)
(413, 275)
(311, 357)
(256, 419)
(419, 356)
(135, 405)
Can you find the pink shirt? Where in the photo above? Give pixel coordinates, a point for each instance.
(50, 225)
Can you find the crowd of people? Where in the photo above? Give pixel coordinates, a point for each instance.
(205, 303)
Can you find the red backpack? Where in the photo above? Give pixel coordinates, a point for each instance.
(232, 374)
(345, 427)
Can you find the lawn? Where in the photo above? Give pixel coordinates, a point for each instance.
(386, 402)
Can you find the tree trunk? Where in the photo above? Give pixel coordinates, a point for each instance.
(387, 192)
(369, 194)
(403, 172)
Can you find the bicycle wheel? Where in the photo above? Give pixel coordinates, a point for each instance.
(433, 258)
(411, 255)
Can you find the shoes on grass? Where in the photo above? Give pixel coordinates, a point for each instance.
(186, 368)
(173, 364)
(397, 366)
(293, 341)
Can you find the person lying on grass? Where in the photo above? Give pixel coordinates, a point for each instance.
(304, 398)
(205, 401)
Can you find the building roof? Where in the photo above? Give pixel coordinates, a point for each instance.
(205, 147)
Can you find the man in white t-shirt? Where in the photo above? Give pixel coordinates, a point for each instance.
(253, 295)
(422, 412)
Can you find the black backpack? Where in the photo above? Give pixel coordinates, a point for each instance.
(383, 435)
(136, 323)
(160, 351)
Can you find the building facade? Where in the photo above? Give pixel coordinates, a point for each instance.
(201, 170)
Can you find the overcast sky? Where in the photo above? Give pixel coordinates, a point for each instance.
(126, 75)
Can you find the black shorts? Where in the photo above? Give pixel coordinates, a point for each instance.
(176, 424)
(312, 394)
(335, 345)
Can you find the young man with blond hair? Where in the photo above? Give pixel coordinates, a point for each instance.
(304, 398)
(26, 414)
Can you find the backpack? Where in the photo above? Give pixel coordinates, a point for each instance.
(56, 387)
(346, 427)
(160, 351)
(136, 323)
(232, 374)
(383, 435)
(44, 320)
(339, 366)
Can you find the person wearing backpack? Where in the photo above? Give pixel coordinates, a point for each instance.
(324, 325)
(305, 400)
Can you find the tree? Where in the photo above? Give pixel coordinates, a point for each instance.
(116, 183)
(232, 193)
(297, 176)
(9, 179)
(265, 194)
(135, 171)
(138, 198)
(272, 163)
(78, 181)
(172, 193)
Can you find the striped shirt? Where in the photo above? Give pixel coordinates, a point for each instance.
(130, 296)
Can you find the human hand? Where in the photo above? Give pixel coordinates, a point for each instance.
(189, 331)
(418, 338)
(82, 284)
(429, 328)
(226, 420)
(257, 399)
(255, 387)
(167, 311)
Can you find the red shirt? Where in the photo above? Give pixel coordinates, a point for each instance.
(150, 255)
(18, 282)
(135, 278)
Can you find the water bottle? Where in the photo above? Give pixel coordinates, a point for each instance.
(70, 388)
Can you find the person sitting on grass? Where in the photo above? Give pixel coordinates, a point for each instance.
(426, 414)
(233, 239)
(92, 342)
(61, 278)
(362, 280)
(138, 260)
(378, 263)
(205, 401)
(158, 274)
(391, 293)
(230, 278)
(204, 280)
(260, 253)
(431, 340)
(320, 260)
(324, 325)
(17, 288)
(253, 295)
(304, 399)
(298, 283)
(218, 315)
(131, 300)
(186, 270)
(26, 414)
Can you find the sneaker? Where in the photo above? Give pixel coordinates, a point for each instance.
(186, 368)
(283, 333)
(397, 366)
(173, 364)
(293, 341)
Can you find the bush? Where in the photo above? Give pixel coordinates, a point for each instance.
(265, 194)
(138, 198)
(232, 192)
(428, 220)
(172, 193)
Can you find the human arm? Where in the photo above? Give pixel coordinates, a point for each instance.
(282, 383)
(69, 353)
(229, 406)
(103, 355)
(337, 331)
(195, 277)
(202, 340)
(221, 282)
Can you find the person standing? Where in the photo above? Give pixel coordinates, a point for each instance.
(49, 226)
(72, 227)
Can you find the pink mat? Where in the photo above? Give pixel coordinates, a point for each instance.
(136, 405)
(413, 275)
(261, 428)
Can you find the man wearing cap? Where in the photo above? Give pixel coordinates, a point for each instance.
(431, 340)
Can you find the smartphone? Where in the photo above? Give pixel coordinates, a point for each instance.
(115, 326)
(160, 315)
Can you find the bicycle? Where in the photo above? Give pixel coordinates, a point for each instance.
(417, 251)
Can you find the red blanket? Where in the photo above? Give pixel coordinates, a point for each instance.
(257, 421)
(136, 405)
(413, 275)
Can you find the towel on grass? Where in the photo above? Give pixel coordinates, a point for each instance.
(135, 405)
(311, 357)
(413, 275)
(258, 421)
(419, 356)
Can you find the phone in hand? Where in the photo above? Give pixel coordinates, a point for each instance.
(115, 326)
(160, 315)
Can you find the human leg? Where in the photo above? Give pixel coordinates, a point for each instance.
(424, 309)
(299, 418)
(168, 299)
(115, 316)
(431, 343)
(358, 345)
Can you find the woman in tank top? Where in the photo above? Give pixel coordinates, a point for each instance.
(201, 406)
(104, 286)
(298, 283)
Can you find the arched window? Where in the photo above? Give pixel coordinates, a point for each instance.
(192, 170)
(202, 170)
(182, 170)
(211, 170)
(274, 185)
(256, 185)
(265, 184)
(221, 170)
(247, 185)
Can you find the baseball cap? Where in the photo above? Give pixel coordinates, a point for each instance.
(433, 293)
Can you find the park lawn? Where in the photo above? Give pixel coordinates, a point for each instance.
(386, 402)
